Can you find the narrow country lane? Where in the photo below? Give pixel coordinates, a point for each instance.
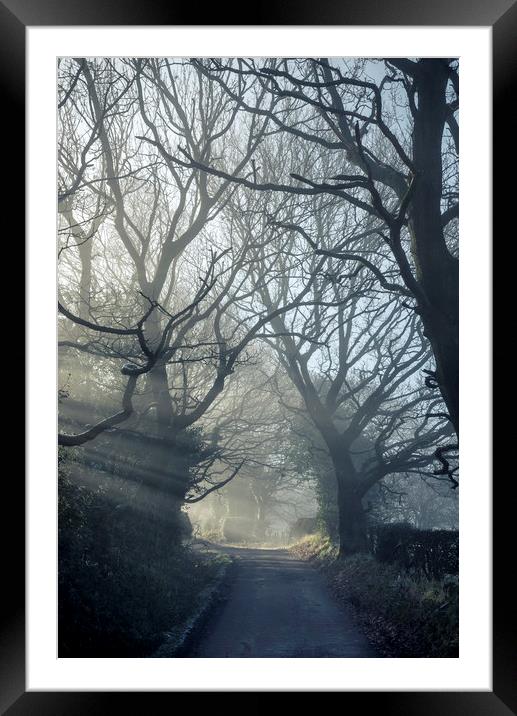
(279, 606)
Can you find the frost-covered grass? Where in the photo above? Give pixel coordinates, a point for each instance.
(404, 616)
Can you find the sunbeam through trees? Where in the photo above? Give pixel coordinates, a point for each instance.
(258, 354)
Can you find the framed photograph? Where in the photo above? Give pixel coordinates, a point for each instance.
(250, 299)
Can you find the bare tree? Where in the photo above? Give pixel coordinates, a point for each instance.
(392, 133)
(354, 354)
(161, 250)
(172, 272)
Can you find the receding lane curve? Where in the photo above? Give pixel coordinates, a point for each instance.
(279, 606)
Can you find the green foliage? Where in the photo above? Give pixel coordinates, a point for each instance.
(309, 455)
(124, 579)
(402, 614)
(326, 495)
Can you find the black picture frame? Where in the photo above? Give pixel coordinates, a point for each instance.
(15, 16)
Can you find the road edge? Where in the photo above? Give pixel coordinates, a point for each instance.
(179, 640)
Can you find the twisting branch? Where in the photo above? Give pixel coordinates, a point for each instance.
(198, 498)
(345, 256)
(446, 468)
(72, 85)
(107, 423)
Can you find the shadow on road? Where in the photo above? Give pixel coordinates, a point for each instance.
(278, 606)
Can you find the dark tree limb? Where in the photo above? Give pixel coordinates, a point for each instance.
(107, 423)
(198, 498)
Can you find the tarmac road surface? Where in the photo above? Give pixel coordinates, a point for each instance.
(278, 606)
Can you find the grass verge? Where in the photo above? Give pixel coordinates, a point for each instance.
(178, 640)
(402, 615)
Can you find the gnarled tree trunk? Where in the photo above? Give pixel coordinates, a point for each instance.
(437, 269)
(352, 520)
(351, 516)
